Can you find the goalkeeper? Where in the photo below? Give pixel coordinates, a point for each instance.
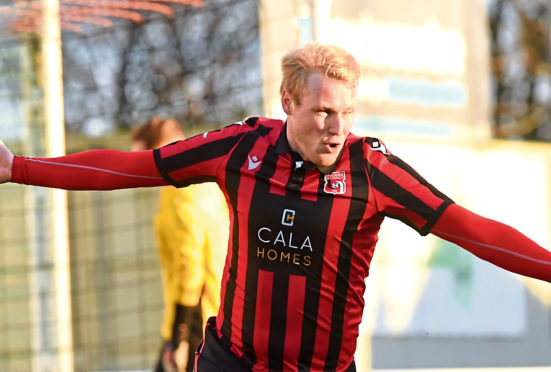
(191, 228)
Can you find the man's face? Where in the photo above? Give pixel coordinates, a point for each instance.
(318, 127)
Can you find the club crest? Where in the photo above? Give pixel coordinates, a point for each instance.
(335, 183)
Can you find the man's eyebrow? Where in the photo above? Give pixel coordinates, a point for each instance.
(322, 108)
(330, 109)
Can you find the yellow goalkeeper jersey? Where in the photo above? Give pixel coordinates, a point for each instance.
(191, 228)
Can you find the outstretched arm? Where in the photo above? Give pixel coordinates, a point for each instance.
(6, 161)
(495, 242)
(89, 170)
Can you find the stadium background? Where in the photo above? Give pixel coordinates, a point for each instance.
(460, 89)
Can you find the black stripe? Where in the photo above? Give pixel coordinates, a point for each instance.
(251, 121)
(194, 180)
(208, 151)
(447, 201)
(356, 211)
(430, 222)
(405, 166)
(160, 165)
(391, 189)
(214, 130)
(296, 180)
(233, 179)
(262, 188)
(280, 296)
(323, 207)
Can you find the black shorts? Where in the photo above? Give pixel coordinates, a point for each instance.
(214, 354)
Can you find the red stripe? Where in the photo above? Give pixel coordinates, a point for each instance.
(295, 308)
(200, 352)
(394, 208)
(361, 256)
(329, 274)
(281, 176)
(194, 170)
(263, 313)
(403, 178)
(173, 149)
(309, 189)
(245, 192)
(229, 254)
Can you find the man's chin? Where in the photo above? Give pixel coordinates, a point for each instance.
(329, 160)
(327, 165)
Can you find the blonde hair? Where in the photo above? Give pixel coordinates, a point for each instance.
(332, 61)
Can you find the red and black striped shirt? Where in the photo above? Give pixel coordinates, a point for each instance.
(301, 241)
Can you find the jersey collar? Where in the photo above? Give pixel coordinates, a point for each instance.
(283, 147)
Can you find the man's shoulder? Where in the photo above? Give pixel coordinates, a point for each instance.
(258, 125)
(372, 143)
(260, 121)
(376, 144)
(261, 125)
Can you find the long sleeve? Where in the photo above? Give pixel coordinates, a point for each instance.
(187, 240)
(89, 170)
(494, 242)
(179, 242)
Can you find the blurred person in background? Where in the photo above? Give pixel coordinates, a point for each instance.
(306, 199)
(191, 231)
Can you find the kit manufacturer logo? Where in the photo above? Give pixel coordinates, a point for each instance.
(254, 162)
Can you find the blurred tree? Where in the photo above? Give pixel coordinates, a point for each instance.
(519, 31)
(200, 66)
(126, 61)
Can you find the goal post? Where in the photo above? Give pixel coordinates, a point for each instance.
(50, 284)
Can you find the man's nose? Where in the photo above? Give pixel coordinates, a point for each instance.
(336, 125)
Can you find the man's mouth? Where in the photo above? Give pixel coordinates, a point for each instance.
(331, 146)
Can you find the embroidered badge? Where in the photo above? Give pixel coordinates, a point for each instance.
(335, 183)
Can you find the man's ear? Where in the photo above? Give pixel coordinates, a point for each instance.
(287, 102)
